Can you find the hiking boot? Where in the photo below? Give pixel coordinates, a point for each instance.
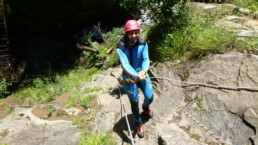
(147, 111)
(140, 131)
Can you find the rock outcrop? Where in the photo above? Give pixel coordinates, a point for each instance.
(229, 114)
(22, 127)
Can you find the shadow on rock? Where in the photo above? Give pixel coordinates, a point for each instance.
(117, 92)
(121, 127)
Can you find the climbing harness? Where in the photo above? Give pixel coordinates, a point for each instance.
(211, 133)
(125, 114)
(131, 79)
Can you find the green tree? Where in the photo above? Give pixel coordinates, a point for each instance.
(168, 15)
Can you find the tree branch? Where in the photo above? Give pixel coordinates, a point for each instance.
(82, 47)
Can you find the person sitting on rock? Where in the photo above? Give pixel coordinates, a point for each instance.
(133, 55)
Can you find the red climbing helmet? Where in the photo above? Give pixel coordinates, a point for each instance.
(131, 25)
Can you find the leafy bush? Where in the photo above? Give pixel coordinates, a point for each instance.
(110, 41)
(249, 4)
(3, 88)
(169, 16)
(112, 60)
(37, 82)
(200, 36)
(87, 39)
(133, 7)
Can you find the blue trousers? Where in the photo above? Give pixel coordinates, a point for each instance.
(132, 92)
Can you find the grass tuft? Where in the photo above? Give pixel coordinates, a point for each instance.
(96, 138)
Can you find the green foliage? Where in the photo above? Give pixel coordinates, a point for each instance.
(248, 45)
(111, 38)
(37, 82)
(96, 138)
(236, 10)
(84, 101)
(90, 90)
(169, 17)
(10, 110)
(200, 36)
(213, 40)
(164, 12)
(192, 135)
(3, 88)
(82, 122)
(1, 105)
(185, 76)
(44, 90)
(87, 39)
(198, 101)
(112, 60)
(50, 108)
(249, 4)
(133, 7)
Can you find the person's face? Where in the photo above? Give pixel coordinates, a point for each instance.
(133, 36)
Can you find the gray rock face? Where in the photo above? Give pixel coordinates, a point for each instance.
(251, 117)
(22, 127)
(225, 109)
(105, 82)
(224, 112)
(233, 69)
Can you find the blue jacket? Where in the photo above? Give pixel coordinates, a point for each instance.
(133, 59)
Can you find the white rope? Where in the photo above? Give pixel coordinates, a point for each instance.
(207, 85)
(127, 122)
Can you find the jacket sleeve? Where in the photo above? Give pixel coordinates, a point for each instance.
(125, 63)
(145, 61)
